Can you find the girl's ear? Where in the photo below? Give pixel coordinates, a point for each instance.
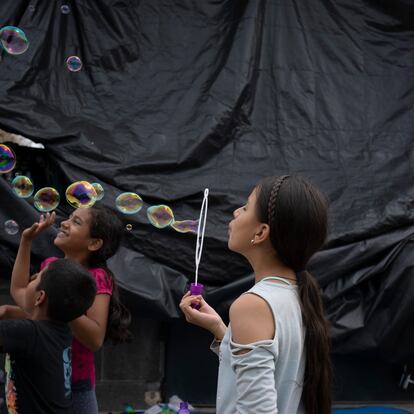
(95, 244)
(40, 297)
(262, 233)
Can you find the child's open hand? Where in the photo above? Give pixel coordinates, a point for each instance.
(40, 226)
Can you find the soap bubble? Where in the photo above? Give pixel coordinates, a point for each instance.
(22, 186)
(11, 227)
(99, 191)
(74, 63)
(81, 194)
(13, 40)
(65, 9)
(160, 216)
(128, 203)
(185, 226)
(46, 199)
(128, 227)
(7, 159)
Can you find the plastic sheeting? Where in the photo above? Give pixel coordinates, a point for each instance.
(177, 96)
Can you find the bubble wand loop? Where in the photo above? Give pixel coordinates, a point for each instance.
(197, 288)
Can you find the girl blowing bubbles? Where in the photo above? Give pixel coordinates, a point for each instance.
(90, 237)
(274, 355)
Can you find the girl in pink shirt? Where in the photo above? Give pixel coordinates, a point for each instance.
(91, 236)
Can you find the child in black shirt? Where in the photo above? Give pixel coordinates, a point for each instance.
(38, 360)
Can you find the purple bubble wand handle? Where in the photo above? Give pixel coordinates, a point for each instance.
(196, 289)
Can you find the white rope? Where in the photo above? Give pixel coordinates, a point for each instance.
(200, 235)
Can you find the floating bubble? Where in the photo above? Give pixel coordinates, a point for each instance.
(65, 9)
(74, 63)
(128, 203)
(185, 226)
(128, 227)
(160, 216)
(22, 186)
(7, 159)
(81, 194)
(46, 199)
(32, 8)
(99, 191)
(11, 227)
(13, 40)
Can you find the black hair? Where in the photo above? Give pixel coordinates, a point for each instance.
(70, 290)
(296, 212)
(106, 225)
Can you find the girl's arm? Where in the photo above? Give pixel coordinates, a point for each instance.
(21, 268)
(90, 329)
(253, 331)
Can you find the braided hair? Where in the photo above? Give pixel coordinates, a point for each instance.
(296, 212)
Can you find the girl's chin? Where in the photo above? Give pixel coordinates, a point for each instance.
(230, 246)
(58, 242)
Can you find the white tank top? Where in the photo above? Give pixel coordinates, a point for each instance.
(269, 378)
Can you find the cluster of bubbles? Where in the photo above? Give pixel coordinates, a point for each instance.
(162, 216)
(14, 41)
(82, 194)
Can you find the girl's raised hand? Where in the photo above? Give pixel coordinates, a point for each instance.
(205, 317)
(40, 226)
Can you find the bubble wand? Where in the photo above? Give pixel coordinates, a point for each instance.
(197, 288)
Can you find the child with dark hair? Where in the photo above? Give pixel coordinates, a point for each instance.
(275, 353)
(90, 236)
(38, 360)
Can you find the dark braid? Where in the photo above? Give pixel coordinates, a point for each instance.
(272, 199)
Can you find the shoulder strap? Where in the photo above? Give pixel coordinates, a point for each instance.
(282, 279)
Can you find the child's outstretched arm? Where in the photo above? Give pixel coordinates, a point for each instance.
(21, 268)
(90, 329)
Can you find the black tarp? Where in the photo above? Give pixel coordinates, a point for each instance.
(176, 96)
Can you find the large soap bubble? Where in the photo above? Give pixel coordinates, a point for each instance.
(81, 194)
(22, 186)
(14, 40)
(46, 199)
(185, 226)
(7, 159)
(160, 216)
(128, 203)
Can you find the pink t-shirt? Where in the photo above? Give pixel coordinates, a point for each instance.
(83, 363)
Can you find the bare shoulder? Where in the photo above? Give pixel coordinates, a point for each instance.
(251, 319)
